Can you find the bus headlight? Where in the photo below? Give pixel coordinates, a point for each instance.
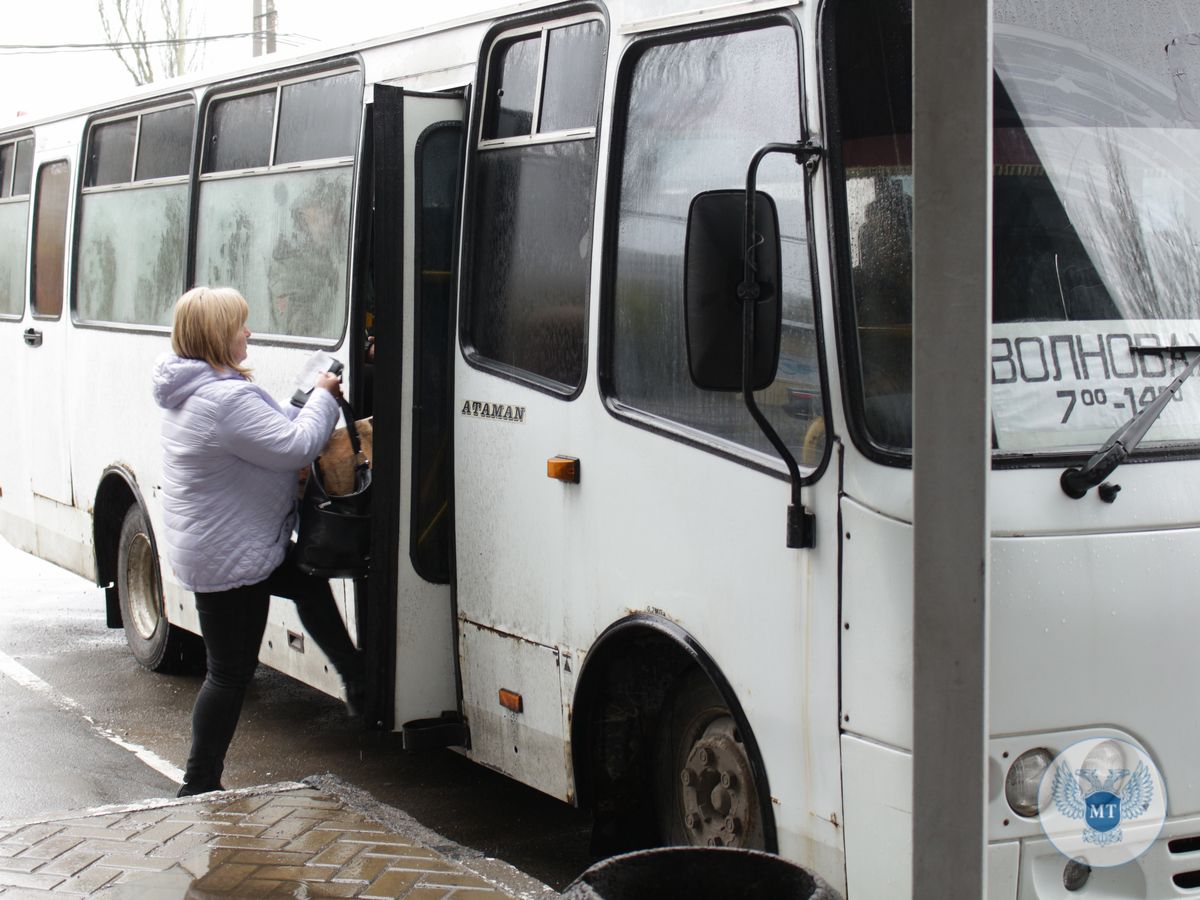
(1023, 780)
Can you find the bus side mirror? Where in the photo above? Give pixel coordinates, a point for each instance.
(714, 285)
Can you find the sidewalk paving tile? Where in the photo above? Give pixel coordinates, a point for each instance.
(278, 840)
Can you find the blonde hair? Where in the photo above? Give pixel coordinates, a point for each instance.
(207, 320)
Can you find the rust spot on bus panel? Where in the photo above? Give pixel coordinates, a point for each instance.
(506, 634)
(651, 611)
(832, 819)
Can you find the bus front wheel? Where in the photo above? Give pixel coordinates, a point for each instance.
(155, 643)
(705, 790)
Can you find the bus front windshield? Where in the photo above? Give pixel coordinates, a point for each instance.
(1096, 230)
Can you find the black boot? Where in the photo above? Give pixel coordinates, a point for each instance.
(354, 681)
(191, 790)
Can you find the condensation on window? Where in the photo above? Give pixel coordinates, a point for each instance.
(165, 143)
(16, 167)
(697, 113)
(132, 247)
(318, 119)
(23, 174)
(282, 240)
(532, 255)
(8, 155)
(239, 132)
(574, 74)
(110, 160)
(14, 220)
(512, 84)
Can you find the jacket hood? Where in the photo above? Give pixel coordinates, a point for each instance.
(176, 378)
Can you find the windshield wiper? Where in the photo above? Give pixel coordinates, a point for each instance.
(1076, 482)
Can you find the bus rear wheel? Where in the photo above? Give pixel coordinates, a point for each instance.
(705, 793)
(155, 642)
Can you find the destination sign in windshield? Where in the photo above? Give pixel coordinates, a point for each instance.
(1068, 385)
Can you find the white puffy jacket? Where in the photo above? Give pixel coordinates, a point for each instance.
(230, 457)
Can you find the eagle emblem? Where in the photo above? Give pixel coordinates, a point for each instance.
(1105, 802)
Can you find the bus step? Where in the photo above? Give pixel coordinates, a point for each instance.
(447, 730)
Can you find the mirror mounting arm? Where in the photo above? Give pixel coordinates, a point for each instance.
(801, 524)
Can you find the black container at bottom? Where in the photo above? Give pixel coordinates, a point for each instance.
(697, 873)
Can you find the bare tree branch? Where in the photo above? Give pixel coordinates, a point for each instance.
(113, 39)
(126, 28)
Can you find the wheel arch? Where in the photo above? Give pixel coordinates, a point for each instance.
(636, 660)
(117, 492)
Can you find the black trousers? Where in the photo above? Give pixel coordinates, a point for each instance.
(232, 623)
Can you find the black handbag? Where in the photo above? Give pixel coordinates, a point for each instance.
(334, 539)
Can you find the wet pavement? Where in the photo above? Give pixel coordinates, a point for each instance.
(83, 725)
(320, 838)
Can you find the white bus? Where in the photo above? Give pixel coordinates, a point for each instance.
(585, 573)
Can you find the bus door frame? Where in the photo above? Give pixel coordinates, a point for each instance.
(406, 622)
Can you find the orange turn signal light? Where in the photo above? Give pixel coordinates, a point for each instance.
(511, 700)
(563, 468)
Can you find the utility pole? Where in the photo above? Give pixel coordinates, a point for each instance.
(271, 24)
(263, 26)
(180, 38)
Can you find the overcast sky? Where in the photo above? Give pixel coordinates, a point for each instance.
(43, 82)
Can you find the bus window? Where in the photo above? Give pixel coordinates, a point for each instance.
(110, 157)
(16, 163)
(23, 172)
(133, 218)
(574, 71)
(318, 119)
(49, 239)
(534, 187)
(697, 110)
(512, 85)
(282, 235)
(239, 132)
(874, 66)
(438, 153)
(165, 143)
(8, 157)
(1094, 236)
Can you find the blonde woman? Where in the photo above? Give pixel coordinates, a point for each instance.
(230, 456)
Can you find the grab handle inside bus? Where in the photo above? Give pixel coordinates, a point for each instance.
(732, 271)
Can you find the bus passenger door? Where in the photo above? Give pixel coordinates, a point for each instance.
(45, 348)
(408, 624)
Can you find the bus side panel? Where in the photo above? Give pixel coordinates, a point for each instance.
(877, 798)
(523, 739)
(876, 630)
(878, 803)
(16, 500)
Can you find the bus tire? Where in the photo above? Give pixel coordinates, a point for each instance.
(705, 793)
(155, 642)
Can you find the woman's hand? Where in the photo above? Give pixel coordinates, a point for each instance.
(330, 382)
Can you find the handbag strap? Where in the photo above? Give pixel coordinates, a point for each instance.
(352, 431)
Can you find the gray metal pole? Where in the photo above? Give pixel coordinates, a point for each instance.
(271, 26)
(952, 216)
(257, 25)
(180, 37)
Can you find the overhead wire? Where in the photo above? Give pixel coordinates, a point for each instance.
(287, 38)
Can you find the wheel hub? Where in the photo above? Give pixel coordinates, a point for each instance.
(143, 589)
(716, 792)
